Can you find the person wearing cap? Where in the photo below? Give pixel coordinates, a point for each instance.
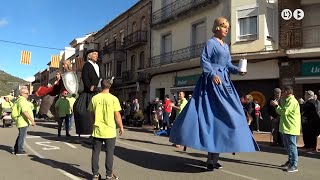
(63, 110)
(105, 112)
(275, 118)
(214, 114)
(310, 121)
(91, 77)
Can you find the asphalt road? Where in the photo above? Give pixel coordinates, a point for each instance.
(138, 155)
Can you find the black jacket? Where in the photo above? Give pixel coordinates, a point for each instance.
(89, 77)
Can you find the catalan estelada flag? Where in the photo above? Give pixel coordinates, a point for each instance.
(25, 57)
(55, 61)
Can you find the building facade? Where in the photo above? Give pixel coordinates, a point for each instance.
(301, 41)
(125, 49)
(179, 30)
(255, 37)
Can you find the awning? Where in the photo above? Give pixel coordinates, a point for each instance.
(184, 88)
(307, 80)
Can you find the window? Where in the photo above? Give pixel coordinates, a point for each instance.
(133, 63)
(270, 22)
(122, 37)
(106, 42)
(247, 24)
(198, 33)
(141, 62)
(134, 27)
(143, 23)
(115, 36)
(119, 69)
(108, 67)
(166, 43)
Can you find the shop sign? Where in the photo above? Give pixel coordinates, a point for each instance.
(187, 80)
(310, 69)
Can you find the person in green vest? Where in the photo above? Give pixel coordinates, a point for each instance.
(290, 126)
(72, 100)
(182, 102)
(63, 110)
(7, 104)
(24, 119)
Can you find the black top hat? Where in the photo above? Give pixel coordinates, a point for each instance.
(90, 51)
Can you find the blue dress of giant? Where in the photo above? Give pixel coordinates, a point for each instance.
(214, 120)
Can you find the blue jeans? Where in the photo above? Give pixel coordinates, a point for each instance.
(18, 147)
(290, 143)
(166, 119)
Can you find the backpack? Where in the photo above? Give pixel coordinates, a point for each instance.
(15, 111)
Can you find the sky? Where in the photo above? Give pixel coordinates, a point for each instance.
(50, 23)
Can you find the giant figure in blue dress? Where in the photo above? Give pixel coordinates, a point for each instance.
(214, 120)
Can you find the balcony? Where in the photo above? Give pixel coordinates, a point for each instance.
(311, 36)
(292, 38)
(135, 39)
(178, 55)
(143, 77)
(128, 76)
(117, 56)
(176, 9)
(112, 47)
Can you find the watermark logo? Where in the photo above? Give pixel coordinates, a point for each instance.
(298, 14)
(287, 14)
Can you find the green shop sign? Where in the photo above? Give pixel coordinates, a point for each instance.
(187, 80)
(310, 69)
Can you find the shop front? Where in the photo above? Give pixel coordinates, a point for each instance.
(310, 76)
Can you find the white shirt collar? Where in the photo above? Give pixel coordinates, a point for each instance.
(96, 67)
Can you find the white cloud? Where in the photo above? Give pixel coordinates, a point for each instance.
(30, 79)
(3, 22)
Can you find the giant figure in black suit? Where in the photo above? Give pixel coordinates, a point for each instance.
(91, 75)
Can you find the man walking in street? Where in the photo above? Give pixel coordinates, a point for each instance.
(23, 120)
(290, 125)
(105, 111)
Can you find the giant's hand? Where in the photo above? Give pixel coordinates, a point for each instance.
(216, 80)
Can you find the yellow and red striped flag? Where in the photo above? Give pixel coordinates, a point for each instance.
(79, 63)
(55, 61)
(25, 57)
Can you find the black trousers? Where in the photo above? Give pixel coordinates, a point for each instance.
(96, 148)
(66, 119)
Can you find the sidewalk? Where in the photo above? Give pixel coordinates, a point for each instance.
(266, 138)
(262, 138)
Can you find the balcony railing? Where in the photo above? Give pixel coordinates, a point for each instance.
(143, 77)
(112, 47)
(134, 39)
(178, 55)
(292, 38)
(176, 8)
(127, 76)
(311, 36)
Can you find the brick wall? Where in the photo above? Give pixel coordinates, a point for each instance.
(290, 32)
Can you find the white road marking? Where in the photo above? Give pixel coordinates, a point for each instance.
(36, 137)
(139, 147)
(236, 174)
(46, 146)
(225, 171)
(70, 145)
(71, 176)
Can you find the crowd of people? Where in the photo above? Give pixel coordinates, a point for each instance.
(222, 122)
